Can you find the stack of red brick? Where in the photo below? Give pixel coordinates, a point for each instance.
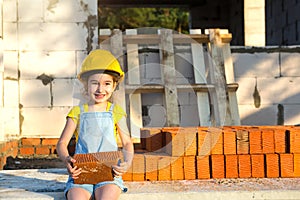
(206, 152)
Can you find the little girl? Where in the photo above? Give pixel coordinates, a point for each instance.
(96, 125)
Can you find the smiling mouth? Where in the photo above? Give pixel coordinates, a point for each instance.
(99, 96)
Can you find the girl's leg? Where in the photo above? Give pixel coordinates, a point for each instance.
(78, 193)
(108, 192)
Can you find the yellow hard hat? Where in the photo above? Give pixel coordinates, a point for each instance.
(102, 60)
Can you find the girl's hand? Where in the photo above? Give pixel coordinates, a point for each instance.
(120, 169)
(73, 171)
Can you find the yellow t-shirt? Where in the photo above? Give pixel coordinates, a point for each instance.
(74, 113)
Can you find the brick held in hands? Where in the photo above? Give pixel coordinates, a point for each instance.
(96, 167)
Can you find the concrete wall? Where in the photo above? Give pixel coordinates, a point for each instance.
(44, 42)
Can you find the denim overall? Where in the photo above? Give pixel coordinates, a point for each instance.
(96, 134)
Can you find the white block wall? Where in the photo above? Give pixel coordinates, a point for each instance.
(43, 38)
(50, 38)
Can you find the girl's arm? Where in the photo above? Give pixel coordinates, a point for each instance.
(62, 147)
(127, 144)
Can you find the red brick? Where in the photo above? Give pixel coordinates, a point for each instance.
(44, 150)
(177, 168)
(189, 167)
(203, 169)
(244, 166)
(49, 141)
(138, 167)
(174, 141)
(164, 168)
(231, 163)
(152, 139)
(242, 141)
(204, 145)
(286, 165)
(295, 140)
(272, 165)
(151, 167)
(280, 140)
(255, 141)
(216, 140)
(229, 142)
(296, 165)
(26, 151)
(30, 141)
(190, 141)
(218, 168)
(268, 141)
(128, 175)
(258, 166)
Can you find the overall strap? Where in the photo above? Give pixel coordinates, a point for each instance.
(111, 107)
(81, 108)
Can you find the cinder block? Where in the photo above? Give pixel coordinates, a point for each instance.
(267, 141)
(218, 168)
(280, 140)
(229, 142)
(272, 165)
(242, 141)
(258, 166)
(138, 167)
(177, 172)
(189, 167)
(255, 141)
(174, 141)
(295, 140)
(203, 167)
(164, 168)
(151, 171)
(244, 166)
(286, 165)
(231, 163)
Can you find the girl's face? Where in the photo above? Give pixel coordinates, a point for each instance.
(100, 87)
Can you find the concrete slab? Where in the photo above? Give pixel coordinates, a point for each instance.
(49, 184)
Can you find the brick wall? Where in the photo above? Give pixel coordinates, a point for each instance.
(187, 153)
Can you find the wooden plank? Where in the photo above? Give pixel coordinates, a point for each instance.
(150, 88)
(116, 44)
(169, 77)
(229, 74)
(200, 77)
(136, 121)
(177, 38)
